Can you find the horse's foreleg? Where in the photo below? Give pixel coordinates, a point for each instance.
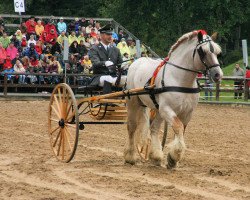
(156, 154)
(177, 147)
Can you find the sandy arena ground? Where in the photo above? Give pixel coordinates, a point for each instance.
(216, 164)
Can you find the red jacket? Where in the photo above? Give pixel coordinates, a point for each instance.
(48, 27)
(39, 49)
(7, 64)
(248, 76)
(30, 26)
(51, 38)
(43, 36)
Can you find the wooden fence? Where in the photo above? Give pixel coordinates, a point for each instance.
(75, 84)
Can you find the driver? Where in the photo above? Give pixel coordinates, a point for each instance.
(105, 58)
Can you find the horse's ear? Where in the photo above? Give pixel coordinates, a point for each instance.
(200, 36)
(214, 36)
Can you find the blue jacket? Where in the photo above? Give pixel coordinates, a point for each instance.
(61, 27)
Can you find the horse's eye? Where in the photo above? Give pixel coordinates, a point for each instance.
(219, 55)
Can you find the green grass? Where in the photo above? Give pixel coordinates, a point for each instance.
(228, 70)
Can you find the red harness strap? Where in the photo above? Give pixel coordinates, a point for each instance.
(152, 81)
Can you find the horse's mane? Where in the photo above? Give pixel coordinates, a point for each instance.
(189, 36)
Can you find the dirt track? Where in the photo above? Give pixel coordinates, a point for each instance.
(216, 164)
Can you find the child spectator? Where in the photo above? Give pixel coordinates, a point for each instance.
(18, 67)
(11, 51)
(86, 64)
(32, 40)
(24, 43)
(39, 28)
(93, 33)
(5, 40)
(61, 26)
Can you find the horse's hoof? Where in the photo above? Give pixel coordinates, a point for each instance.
(171, 162)
(129, 157)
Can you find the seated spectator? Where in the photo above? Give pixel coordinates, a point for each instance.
(17, 43)
(93, 41)
(47, 50)
(143, 54)
(18, 68)
(81, 37)
(5, 40)
(32, 40)
(19, 35)
(56, 49)
(16, 58)
(39, 47)
(54, 69)
(71, 27)
(82, 49)
(8, 67)
(31, 51)
(39, 28)
(87, 43)
(34, 63)
(51, 37)
(25, 61)
(48, 27)
(43, 37)
(61, 38)
(132, 50)
(88, 28)
(72, 37)
(125, 65)
(11, 50)
(124, 48)
(73, 48)
(77, 25)
(97, 27)
(83, 22)
(115, 37)
(143, 48)
(86, 64)
(31, 78)
(23, 28)
(24, 43)
(93, 33)
(2, 56)
(92, 22)
(30, 24)
(61, 26)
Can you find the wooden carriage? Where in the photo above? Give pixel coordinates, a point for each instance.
(64, 112)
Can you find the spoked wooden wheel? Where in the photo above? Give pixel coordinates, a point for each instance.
(63, 131)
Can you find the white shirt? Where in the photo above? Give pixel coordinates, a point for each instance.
(105, 46)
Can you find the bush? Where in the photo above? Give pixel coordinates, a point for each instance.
(232, 57)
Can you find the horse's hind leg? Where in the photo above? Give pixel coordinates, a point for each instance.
(137, 124)
(156, 154)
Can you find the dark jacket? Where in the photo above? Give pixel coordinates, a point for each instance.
(99, 55)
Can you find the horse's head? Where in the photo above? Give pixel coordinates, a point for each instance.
(205, 56)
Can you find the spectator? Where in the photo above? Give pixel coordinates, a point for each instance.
(129, 41)
(143, 54)
(43, 37)
(61, 26)
(56, 49)
(61, 38)
(48, 27)
(73, 49)
(132, 50)
(119, 45)
(238, 72)
(124, 48)
(16, 42)
(82, 49)
(87, 43)
(51, 37)
(88, 28)
(16, 58)
(19, 35)
(18, 68)
(115, 37)
(54, 69)
(30, 51)
(8, 67)
(11, 51)
(31, 24)
(77, 25)
(92, 22)
(24, 43)
(39, 28)
(25, 61)
(86, 64)
(39, 47)
(5, 40)
(23, 28)
(2, 56)
(32, 40)
(72, 37)
(248, 82)
(71, 26)
(143, 48)
(83, 22)
(93, 33)
(81, 37)
(126, 63)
